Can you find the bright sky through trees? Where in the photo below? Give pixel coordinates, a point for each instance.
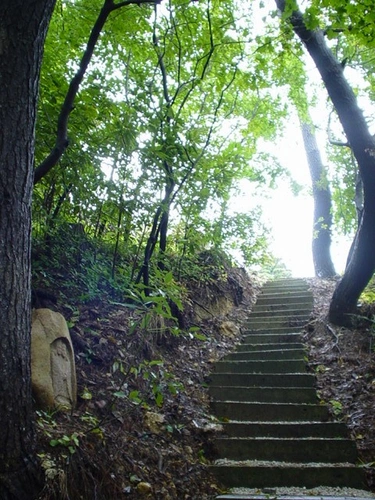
(290, 217)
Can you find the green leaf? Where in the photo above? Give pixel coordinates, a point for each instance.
(200, 336)
(86, 394)
(120, 394)
(159, 399)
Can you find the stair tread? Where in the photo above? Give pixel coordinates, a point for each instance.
(285, 429)
(307, 388)
(282, 422)
(258, 379)
(301, 496)
(223, 462)
(276, 350)
(276, 404)
(288, 439)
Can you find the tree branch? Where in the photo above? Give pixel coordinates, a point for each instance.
(62, 140)
(160, 54)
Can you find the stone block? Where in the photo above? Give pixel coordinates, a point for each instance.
(52, 361)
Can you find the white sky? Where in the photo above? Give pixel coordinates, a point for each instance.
(291, 217)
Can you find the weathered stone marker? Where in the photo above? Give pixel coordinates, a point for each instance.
(52, 361)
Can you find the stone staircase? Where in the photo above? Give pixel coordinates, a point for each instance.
(276, 433)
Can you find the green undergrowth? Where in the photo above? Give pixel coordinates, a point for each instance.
(142, 425)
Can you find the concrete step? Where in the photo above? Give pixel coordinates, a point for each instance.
(276, 321)
(286, 313)
(302, 450)
(286, 282)
(279, 329)
(272, 366)
(284, 298)
(269, 289)
(281, 354)
(280, 289)
(264, 394)
(269, 412)
(286, 429)
(271, 475)
(268, 493)
(305, 307)
(265, 380)
(255, 347)
(271, 338)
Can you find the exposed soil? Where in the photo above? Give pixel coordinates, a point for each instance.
(142, 426)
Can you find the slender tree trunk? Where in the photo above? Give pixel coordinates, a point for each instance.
(115, 252)
(164, 221)
(321, 241)
(159, 232)
(144, 272)
(23, 28)
(361, 266)
(163, 239)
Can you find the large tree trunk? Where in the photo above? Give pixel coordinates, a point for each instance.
(23, 27)
(361, 267)
(321, 242)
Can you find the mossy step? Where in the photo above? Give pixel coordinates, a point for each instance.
(286, 285)
(265, 337)
(264, 394)
(277, 355)
(275, 475)
(276, 321)
(269, 412)
(302, 450)
(298, 303)
(286, 429)
(286, 313)
(270, 495)
(283, 308)
(285, 282)
(267, 366)
(284, 298)
(265, 380)
(282, 290)
(256, 347)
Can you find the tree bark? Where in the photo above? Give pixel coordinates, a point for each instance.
(361, 266)
(23, 26)
(321, 241)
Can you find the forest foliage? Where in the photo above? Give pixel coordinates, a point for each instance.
(171, 116)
